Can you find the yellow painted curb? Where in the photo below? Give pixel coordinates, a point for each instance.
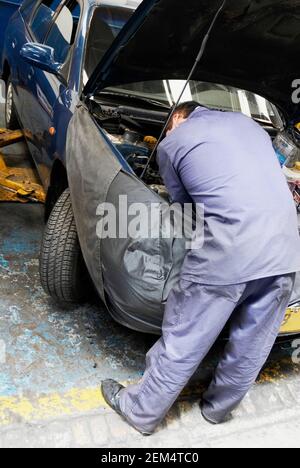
(22, 409)
(14, 409)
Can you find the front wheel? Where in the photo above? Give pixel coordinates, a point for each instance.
(63, 272)
(11, 118)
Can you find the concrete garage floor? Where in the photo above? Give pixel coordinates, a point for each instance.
(52, 362)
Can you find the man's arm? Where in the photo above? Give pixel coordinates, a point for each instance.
(171, 179)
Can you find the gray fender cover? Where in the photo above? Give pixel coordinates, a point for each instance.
(133, 276)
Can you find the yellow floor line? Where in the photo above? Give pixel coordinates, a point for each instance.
(16, 409)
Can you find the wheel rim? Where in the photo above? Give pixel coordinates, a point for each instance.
(9, 102)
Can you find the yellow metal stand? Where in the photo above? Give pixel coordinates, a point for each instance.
(17, 184)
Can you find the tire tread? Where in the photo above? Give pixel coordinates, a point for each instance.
(62, 268)
(13, 124)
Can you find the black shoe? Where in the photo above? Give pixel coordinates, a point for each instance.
(111, 394)
(228, 418)
(214, 423)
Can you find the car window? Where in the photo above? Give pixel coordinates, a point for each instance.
(62, 34)
(42, 19)
(107, 22)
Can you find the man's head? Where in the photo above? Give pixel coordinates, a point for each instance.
(181, 114)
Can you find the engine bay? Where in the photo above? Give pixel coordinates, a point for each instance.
(136, 149)
(135, 132)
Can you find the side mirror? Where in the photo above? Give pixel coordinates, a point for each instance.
(41, 56)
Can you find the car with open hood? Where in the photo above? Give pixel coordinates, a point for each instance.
(95, 92)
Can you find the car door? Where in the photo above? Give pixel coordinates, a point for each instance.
(37, 19)
(43, 89)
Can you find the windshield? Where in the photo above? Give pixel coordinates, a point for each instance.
(214, 96)
(107, 22)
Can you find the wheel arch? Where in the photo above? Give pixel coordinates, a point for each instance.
(5, 71)
(58, 184)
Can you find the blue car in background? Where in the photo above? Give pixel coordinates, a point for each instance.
(7, 9)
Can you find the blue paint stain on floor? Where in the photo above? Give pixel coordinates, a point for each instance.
(4, 264)
(50, 349)
(20, 243)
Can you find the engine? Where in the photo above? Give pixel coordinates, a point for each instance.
(129, 129)
(137, 149)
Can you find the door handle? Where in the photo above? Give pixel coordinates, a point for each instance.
(31, 73)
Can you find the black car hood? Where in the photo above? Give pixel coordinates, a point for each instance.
(255, 45)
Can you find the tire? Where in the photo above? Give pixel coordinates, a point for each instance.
(63, 272)
(11, 117)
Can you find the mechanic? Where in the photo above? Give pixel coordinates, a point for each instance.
(245, 271)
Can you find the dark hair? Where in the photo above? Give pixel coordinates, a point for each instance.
(184, 110)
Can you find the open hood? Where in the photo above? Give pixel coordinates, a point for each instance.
(255, 45)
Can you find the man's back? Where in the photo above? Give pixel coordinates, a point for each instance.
(226, 161)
